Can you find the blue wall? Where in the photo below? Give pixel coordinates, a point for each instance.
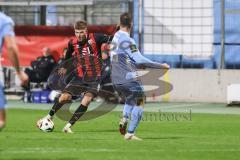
(232, 34)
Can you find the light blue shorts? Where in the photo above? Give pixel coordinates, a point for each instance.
(2, 98)
(131, 92)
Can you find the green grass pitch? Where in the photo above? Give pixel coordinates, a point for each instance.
(204, 137)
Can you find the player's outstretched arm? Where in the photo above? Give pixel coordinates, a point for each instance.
(12, 51)
(141, 61)
(147, 63)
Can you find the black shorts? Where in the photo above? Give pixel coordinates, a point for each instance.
(77, 86)
(106, 84)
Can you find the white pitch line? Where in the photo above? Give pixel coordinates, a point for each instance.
(209, 150)
(54, 150)
(95, 150)
(180, 106)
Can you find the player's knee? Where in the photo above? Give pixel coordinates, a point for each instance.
(2, 125)
(64, 98)
(87, 99)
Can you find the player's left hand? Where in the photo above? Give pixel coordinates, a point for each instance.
(23, 77)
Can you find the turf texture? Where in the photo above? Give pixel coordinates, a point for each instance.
(189, 137)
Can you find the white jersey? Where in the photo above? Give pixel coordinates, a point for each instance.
(6, 29)
(125, 58)
(123, 66)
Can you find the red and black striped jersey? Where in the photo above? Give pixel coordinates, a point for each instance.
(87, 57)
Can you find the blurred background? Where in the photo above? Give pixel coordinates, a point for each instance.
(198, 38)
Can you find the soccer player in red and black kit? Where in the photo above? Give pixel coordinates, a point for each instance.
(85, 50)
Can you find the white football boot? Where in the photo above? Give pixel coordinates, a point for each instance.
(67, 129)
(131, 136)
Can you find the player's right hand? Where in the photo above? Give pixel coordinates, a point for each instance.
(23, 77)
(62, 71)
(165, 66)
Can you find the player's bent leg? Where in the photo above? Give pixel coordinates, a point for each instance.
(59, 102)
(2, 108)
(125, 93)
(81, 110)
(2, 118)
(65, 97)
(88, 97)
(127, 110)
(136, 117)
(137, 112)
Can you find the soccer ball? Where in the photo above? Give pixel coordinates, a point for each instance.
(45, 125)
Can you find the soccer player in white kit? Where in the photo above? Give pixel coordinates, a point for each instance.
(125, 59)
(7, 36)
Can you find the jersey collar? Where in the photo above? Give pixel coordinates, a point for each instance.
(124, 32)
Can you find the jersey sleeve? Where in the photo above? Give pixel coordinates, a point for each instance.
(139, 59)
(8, 30)
(130, 48)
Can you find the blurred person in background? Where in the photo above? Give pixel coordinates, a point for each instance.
(39, 72)
(7, 36)
(62, 56)
(41, 67)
